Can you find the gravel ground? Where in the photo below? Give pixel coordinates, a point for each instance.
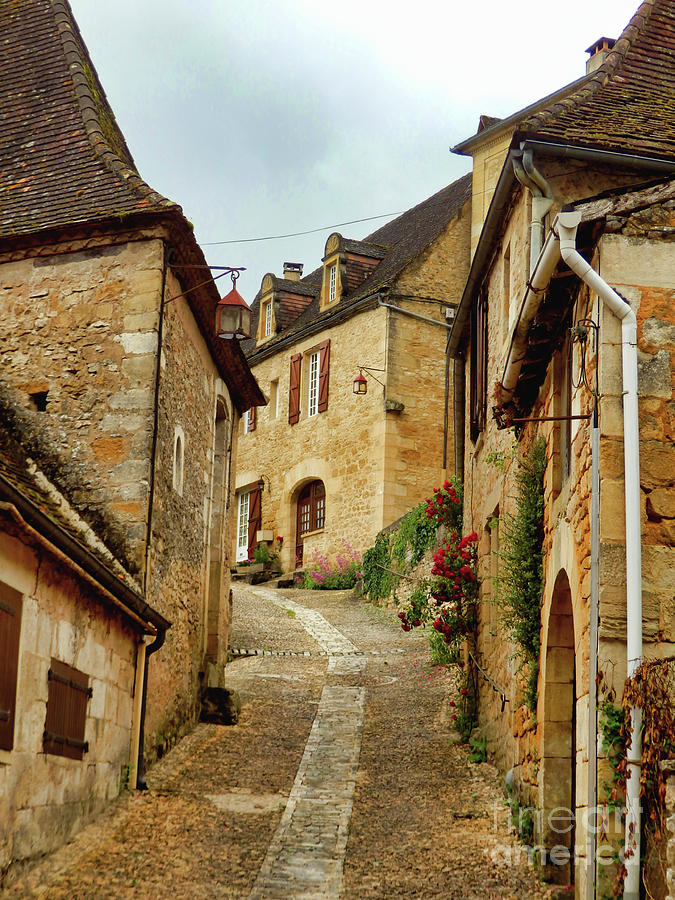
(423, 822)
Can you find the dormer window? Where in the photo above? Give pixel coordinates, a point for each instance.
(332, 283)
(268, 319)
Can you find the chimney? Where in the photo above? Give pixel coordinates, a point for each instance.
(599, 52)
(293, 271)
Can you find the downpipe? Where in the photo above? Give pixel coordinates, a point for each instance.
(542, 200)
(566, 226)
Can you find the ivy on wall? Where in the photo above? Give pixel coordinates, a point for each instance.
(521, 579)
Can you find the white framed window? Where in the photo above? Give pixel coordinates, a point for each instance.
(178, 459)
(268, 319)
(313, 384)
(332, 283)
(242, 526)
(247, 421)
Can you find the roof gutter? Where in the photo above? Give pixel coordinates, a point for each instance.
(609, 157)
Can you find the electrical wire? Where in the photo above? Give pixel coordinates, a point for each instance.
(278, 237)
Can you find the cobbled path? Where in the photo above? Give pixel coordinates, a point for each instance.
(306, 856)
(342, 779)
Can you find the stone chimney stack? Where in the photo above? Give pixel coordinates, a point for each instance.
(599, 51)
(293, 271)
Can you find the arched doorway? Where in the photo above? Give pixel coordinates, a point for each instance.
(311, 514)
(558, 749)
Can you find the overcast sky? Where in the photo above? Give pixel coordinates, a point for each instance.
(264, 118)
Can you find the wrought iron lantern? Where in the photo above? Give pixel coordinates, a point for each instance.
(360, 384)
(233, 314)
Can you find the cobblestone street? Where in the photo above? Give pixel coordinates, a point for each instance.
(342, 779)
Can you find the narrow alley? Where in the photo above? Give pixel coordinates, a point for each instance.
(342, 779)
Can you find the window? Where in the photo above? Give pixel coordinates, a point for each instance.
(242, 527)
(68, 694)
(332, 283)
(178, 459)
(268, 319)
(313, 385)
(478, 374)
(249, 420)
(10, 633)
(506, 291)
(274, 399)
(249, 519)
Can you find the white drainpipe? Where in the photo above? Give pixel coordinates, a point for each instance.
(566, 227)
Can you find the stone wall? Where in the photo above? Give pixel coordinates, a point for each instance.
(639, 263)
(45, 799)
(343, 446)
(81, 327)
(80, 338)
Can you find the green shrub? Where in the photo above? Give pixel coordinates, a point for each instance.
(521, 580)
(415, 534)
(378, 581)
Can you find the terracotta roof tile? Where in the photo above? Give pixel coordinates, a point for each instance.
(628, 105)
(63, 159)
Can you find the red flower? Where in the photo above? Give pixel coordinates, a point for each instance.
(463, 692)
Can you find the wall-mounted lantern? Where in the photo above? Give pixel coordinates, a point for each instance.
(261, 484)
(233, 314)
(361, 382)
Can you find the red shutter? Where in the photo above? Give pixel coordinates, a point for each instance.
(324, 368)
(294, 389)
(10, 632)
(251, 418)
(254, 518)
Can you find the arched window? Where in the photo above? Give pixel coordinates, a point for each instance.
(178, 459)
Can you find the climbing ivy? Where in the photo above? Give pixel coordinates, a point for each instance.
(521, 580)
(378, 580)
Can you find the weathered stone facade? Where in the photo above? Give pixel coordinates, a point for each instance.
(46, 797)
(83, 329)
(377, 454)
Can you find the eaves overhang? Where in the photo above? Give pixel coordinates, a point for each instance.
(501, 202)
(467, 146)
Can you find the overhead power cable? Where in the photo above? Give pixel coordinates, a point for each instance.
(278, 237)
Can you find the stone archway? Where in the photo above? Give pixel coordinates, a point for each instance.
(557, 770)
(310, 503)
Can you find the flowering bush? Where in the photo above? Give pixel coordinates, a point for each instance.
(445, 507)
(448, 600)
(341, 575)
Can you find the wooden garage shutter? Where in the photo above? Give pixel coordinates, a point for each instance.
(10, 633)
(294, 389)
(324, 368)
(67, 698)
(254, 518)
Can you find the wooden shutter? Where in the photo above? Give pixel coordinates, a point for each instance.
(294, 389)
(324, 368)
(254, 517)
(478, 374)
(10, 633)
(67, 699)
(251, 418)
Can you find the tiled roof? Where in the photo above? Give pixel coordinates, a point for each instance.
(628, 104)
(63, 159)
(365, 248)
(402, 240)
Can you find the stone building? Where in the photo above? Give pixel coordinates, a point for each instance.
(108, 345)
(321, 465)
(74, 627)
(585, 174)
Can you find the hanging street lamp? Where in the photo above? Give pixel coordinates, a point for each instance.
(233, 314)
